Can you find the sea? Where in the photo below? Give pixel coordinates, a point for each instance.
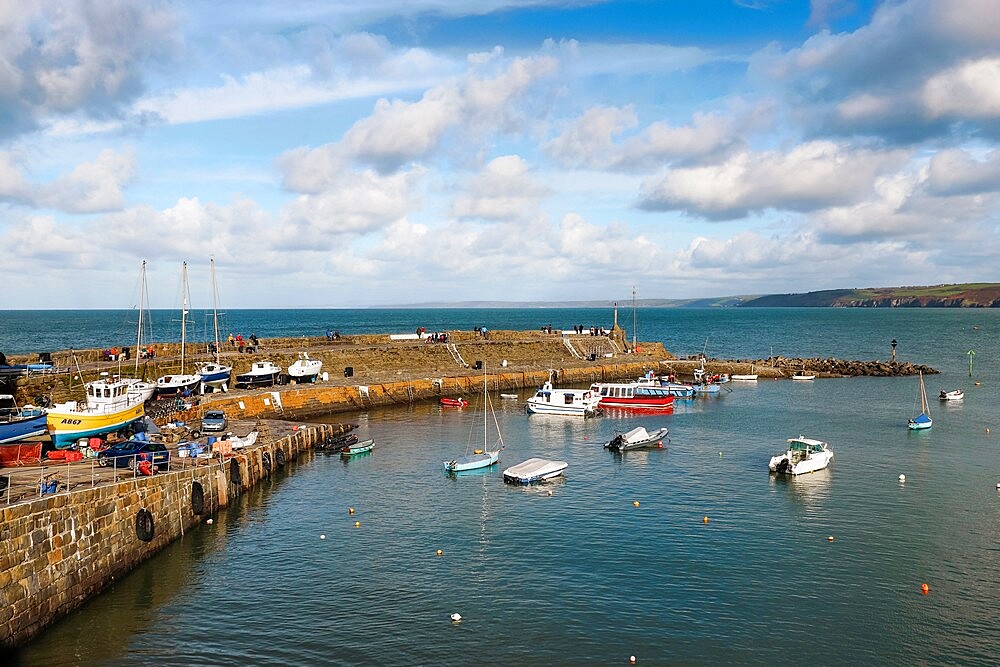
(688, 555)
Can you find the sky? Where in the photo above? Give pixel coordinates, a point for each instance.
(389, 152)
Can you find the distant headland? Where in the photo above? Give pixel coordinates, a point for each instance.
(962, 295)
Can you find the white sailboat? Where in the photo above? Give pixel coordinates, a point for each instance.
(170, 385)
(923, 420)
(215, 374)
(485, 457)
(143, 388)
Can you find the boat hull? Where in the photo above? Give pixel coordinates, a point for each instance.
(472, 462)
(257, 379)
(214, 375)
(20, 428)
(66, 424)
(172, 385)
(534, 470)
(362, 447)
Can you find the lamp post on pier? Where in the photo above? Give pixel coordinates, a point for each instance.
(893, 343)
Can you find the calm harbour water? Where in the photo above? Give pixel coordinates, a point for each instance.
(583, 576)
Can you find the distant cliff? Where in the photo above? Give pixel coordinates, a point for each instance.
(968, 295)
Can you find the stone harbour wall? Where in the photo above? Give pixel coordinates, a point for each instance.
(58, 551)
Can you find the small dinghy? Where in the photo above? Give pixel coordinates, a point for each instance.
(362, 447)
(953, 395)
(449, 402)
(534, 470)
(637, 438)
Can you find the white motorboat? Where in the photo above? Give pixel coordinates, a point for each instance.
(305, 369)
(803, 375)
(260, 373)
(534, 470)
(953, 395)
(637, 438)
(803, 455)
(570, 402)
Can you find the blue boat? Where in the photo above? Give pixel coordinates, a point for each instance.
(18, 424)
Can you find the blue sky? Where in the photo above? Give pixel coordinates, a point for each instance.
(345, 154)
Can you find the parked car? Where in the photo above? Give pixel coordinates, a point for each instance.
(214, 420)
(125, 454)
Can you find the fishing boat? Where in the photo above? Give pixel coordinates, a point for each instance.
(953, 395)
(923, 420)
(261, 373)
(109, 407)
(305, 369)
(215, 374)
(20, 423)
(487, 456)
(360, 447)
(632, 396)
(637, 438)
(180, 383)
(803, 455)
(569, 402)
(450, 402)
(534, 470)
(803, 375)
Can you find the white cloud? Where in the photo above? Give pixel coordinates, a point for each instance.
(811, 176)
(504, 190)
(61, 57)
(969, 90)
(91, 187)
(956, 172)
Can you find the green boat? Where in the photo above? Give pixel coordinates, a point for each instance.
(361, 447)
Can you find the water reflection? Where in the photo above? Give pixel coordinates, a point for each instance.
(810, 489)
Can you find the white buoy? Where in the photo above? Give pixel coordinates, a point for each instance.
(209, 522)
(322, 537)
(902, 478)
(456, 617)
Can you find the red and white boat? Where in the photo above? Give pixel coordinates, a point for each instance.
(449, 402)
(633, 396)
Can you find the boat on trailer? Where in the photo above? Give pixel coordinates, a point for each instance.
(637, 438)
(533, 470)
(304, 369)
(803, 455)
(261, 373)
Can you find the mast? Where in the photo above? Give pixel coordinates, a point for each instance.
(633, 319)
(184, 310)
(215, 310)
(142, 295)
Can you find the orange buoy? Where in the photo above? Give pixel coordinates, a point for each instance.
(704, 520)
(635, 503)
(357, 524)
(350, 510)
(925, 589)
(440, 553)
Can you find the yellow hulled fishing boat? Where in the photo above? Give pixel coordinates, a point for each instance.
(109, 406)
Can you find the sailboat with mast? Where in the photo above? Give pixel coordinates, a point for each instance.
(923, 420)
(136, 385)
(485, 457)
(215, 374)
(178, 383)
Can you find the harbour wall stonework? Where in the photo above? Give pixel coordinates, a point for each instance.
(58, 551)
